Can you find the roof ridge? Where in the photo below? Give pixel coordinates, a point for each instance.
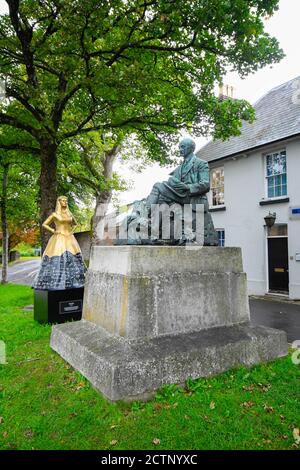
(276, 88)
(277, 118)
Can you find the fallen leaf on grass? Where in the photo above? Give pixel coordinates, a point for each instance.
(247, 404)
(264, 387)
(156, 441)
(113, 442)
(296, 435)
(79, 386)
(28, 433)
(267, 441)
(268, 409)
(1, 419)
(212, 405)
(248, 388)
(12, 446)
(5, 434)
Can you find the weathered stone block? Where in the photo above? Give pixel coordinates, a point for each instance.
(158, 315)
(136, 291)
(134, 369)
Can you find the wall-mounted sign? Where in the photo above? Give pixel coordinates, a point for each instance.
(297, 257)
(295, 212)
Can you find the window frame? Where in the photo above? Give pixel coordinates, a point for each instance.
(219, 230)
(211, 188)
(266, 177)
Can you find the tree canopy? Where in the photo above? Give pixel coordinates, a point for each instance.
(124, 66)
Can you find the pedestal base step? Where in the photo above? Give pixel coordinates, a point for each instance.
(125, 369)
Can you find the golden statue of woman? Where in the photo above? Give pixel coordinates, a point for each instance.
(62, 264)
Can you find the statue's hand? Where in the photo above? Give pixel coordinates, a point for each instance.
(180, 186)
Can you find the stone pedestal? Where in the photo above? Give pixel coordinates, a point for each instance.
(157, 315)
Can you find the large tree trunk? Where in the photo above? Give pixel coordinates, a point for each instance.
(48, 185)
(5, 252)
(103, 199)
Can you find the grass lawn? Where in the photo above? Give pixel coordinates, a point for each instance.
(45, 404)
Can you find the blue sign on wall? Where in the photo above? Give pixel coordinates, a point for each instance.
(295, 212)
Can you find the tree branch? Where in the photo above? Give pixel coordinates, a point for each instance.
(38, 114)
(135, 120)
(24, 33)
(14, 122)
(23, 148)
(85, 180)
(60, 105)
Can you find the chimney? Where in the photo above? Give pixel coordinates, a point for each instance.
(225, 92)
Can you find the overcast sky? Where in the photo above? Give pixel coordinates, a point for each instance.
(284, 25)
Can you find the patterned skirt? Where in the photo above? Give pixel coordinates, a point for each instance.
(66, 271)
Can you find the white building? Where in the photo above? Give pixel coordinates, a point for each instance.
(257, 173)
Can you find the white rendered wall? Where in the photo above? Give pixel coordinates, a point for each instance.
(243, 219)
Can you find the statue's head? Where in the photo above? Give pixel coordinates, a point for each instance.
(62, 201)
(62, 205)
(186, 146)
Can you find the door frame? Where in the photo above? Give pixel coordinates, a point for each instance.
(267, 264)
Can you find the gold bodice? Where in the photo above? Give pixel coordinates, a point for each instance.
(63, 225)
(62, 239)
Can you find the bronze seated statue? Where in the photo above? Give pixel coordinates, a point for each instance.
(169, 201)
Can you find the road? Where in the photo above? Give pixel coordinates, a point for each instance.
(23, 272)
(281, 315)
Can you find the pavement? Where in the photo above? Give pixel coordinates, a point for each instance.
(274, 312)
(282, 315)
(23, 272)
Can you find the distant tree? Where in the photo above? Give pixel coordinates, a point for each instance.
(143, 66)
(4, 224)
(18, 201)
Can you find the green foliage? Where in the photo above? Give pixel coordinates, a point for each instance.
(22, 192)
(25, 249)
(83, 77)
(129, 66)
(45, 404)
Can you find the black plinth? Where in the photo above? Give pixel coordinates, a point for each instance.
(58, 306)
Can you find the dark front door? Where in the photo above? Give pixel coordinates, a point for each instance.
(278, 264)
